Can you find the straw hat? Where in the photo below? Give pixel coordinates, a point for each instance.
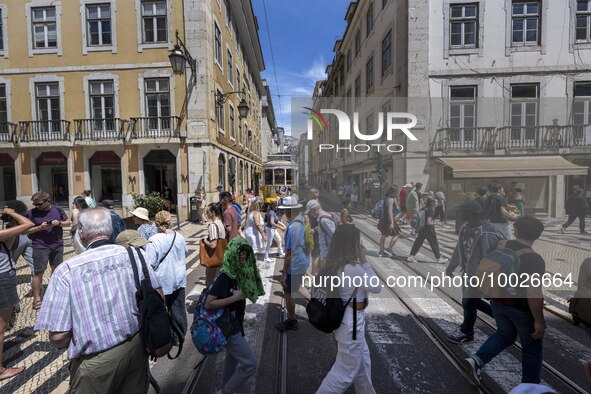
(141, 213)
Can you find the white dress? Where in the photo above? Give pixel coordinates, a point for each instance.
(252, 234)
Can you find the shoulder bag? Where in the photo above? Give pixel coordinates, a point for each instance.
(212, 258)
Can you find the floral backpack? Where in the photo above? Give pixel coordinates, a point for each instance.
(207, 335)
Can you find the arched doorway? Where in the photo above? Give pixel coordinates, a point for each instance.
(7, 178)
(52, 175)
(222, 171)
(160, 173)
(105, 176)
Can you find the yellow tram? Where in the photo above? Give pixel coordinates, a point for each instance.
(280, 177)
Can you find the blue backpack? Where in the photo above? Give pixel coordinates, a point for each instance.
(378, 211)
(207, 335)
(238, 209)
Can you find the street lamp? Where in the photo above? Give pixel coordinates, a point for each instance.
(179, 57)
(243, 108)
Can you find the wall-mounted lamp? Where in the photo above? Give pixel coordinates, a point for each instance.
(179, 57)
(243, 108)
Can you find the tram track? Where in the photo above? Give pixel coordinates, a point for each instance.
(554, 372)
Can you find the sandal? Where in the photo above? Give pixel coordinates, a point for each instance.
(37, 304)
(8, 373)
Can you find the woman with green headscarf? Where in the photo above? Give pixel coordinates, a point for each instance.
(239, 280)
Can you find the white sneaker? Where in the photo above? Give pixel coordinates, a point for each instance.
(443, 260)
(268, 260)
(282, 255)
(562, 230)
(411, 259)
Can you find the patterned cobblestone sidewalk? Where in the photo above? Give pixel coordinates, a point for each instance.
(47, 367)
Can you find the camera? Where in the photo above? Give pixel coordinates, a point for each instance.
(5, 218)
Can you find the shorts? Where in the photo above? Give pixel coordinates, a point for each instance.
(41, 256)
(384, 227)
(354, 198)
(8, 293)
(293, 282)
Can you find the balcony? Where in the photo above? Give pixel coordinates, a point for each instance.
(99, 129)
(533, 138)
(44, 130)
(469, 138)
(155, 127)
(8, 132)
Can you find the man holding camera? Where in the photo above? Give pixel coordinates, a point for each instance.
(48, 239)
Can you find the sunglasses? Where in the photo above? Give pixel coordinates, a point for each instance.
(38, 204)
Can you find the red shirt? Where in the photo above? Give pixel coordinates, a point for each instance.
(403, 194)
(231, 219)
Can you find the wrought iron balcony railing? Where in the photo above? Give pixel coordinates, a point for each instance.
(512, 137)
(8, 132)
(155, 127)
(99, 129)
(44, 130)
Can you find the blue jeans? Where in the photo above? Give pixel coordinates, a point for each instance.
(471, 307)
(510, 323)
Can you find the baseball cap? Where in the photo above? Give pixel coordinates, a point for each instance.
(131, 238)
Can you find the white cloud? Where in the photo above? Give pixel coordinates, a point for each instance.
(317, 71)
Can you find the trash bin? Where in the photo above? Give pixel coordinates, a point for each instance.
(193, 209)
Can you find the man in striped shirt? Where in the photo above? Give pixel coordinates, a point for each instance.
(90, 308)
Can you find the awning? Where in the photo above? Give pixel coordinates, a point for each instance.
(513, 166)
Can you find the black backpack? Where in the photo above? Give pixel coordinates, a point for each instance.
(156, 328)
(326, 309)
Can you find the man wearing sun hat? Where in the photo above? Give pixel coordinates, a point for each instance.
(296, 261)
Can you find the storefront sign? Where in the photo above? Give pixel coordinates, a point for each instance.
(456, 187)
(105, 157)
(51, 158)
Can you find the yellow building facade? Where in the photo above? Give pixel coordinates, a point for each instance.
(88, 100)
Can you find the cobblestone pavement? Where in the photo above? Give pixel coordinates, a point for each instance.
(563, 253)
(47, 367)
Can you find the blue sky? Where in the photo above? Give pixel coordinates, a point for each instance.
(303, 33)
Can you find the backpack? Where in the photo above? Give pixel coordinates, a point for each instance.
(326, 309)
(378, 210)
(418, 220)
(308, 245)
(208, 337)
(238, 209)
(412, 200)
(499, 266)
(156, 328)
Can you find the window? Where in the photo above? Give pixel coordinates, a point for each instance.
(386, 52)
(44, 28)
(232, 124)
(219, 113)
(369, 19)
(369, 127)
(463, 26)
(462, 114)
(3, 106)
(583, 24)
(369, 75)
(218, 43)
(154, 21)
(240, 133)
(357, 43)
(348, 61)
(230, 72)
(47, 97)
(98, 24)
(157, 95)
(526, 23)
(357, 89)
(582, 103)
(524, 112)
(102, 101)
(1, 30)
(222, 171)
(238, 80)
(228, 15)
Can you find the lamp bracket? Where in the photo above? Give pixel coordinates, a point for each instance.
(221, 98)
(192, 62)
